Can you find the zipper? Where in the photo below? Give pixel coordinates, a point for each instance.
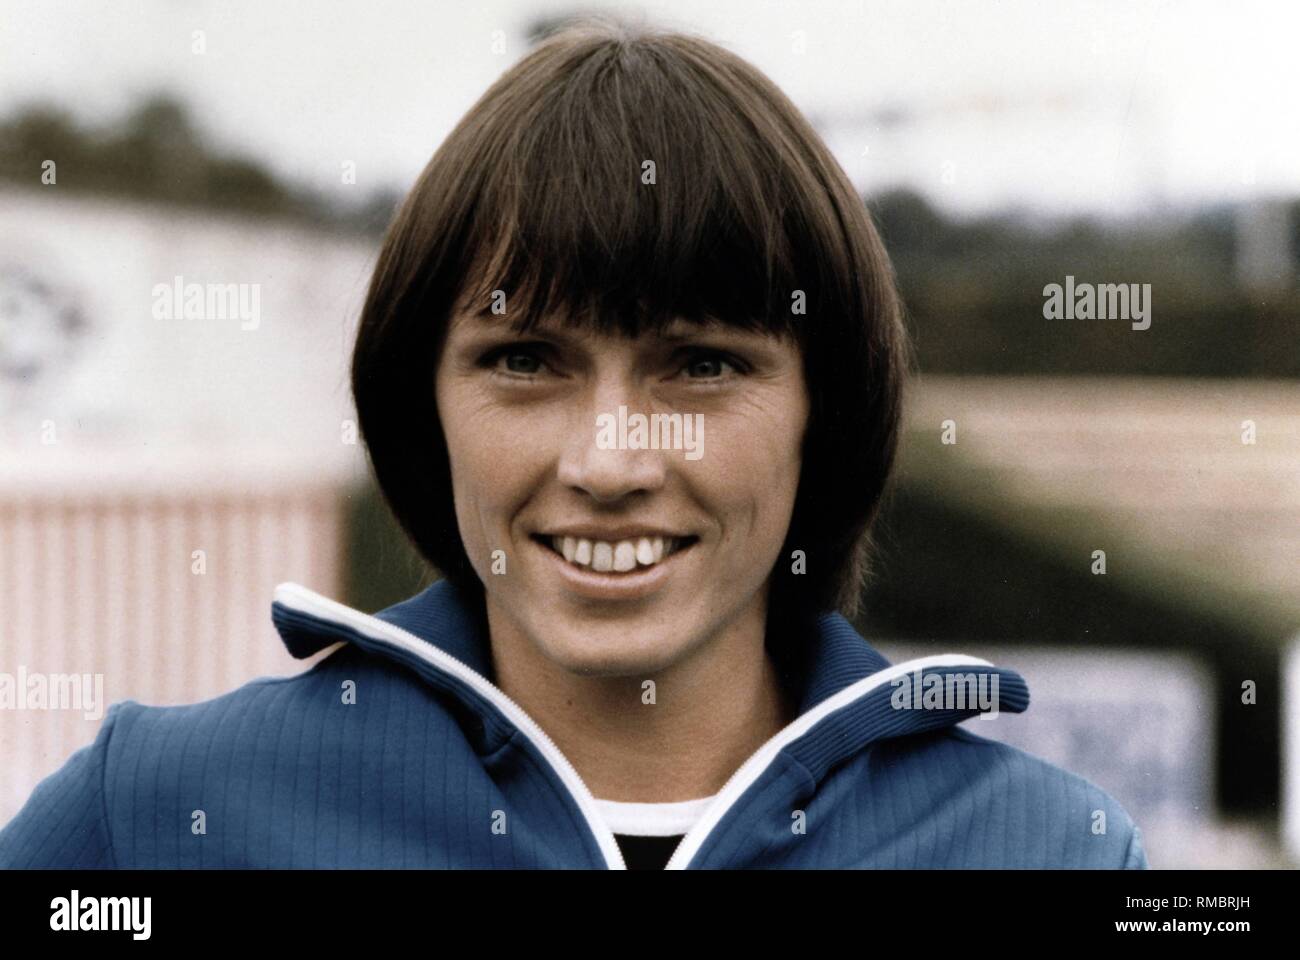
(308, 601)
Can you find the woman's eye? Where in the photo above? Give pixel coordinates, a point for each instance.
(708, 366)
(519, 361)
(525, 362)
(514, 361)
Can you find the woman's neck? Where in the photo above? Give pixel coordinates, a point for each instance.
(708, 713)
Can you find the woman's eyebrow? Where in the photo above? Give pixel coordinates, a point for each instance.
(691, 331)
(677, 335)
(481, 319)
(485, 323)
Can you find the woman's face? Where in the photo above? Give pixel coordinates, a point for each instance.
(669, 462)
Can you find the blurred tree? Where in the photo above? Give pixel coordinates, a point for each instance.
(974, 292)
(156, 153)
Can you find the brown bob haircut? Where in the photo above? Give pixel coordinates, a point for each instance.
(539, 192)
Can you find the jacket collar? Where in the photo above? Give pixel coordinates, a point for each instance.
(833, 659)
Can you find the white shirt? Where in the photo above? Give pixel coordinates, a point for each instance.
(652, 819)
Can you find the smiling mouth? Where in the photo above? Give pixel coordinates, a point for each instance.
(618, 556)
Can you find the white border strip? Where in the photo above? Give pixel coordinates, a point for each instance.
(757, 764)
(298, 597)
(1290, 751)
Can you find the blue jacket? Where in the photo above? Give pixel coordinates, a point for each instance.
(396, 750)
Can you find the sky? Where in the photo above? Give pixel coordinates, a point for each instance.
(1114, 108)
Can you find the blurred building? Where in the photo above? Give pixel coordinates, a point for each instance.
(160, 475)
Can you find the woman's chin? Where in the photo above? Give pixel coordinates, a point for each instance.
(625, 649)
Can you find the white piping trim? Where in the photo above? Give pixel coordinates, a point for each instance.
(762, 758)
(297, 597)
(670, 819)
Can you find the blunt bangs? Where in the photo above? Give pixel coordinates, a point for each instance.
(572, 230)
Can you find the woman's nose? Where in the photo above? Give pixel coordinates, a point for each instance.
(598, 459)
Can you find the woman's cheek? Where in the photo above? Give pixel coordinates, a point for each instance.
(488, 436)
(763, 440)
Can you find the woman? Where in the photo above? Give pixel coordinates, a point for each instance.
(629, 373)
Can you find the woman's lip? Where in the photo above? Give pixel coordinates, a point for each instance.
(631, 585)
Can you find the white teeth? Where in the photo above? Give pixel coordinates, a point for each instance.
(620, 556)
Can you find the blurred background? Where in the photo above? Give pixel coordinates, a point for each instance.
(158, 477)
